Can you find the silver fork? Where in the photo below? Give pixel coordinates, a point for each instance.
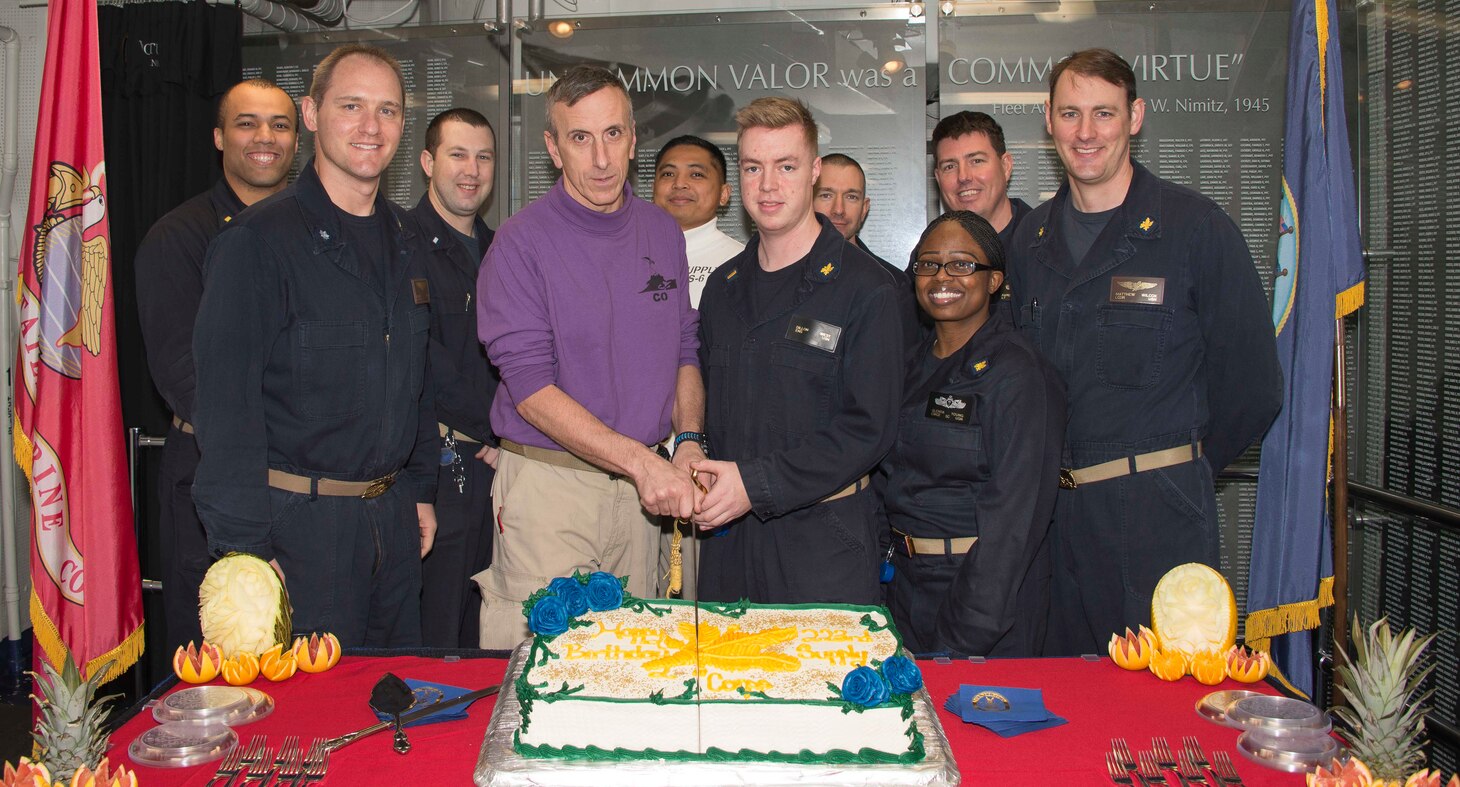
(316, 765)
(230, 765)
(251, 755)
(1121, 750)
(1150, 773)
(1118, 773)
(1188, 769)
(288, 754)
(259, 759)
(1224, 769)
(1192, 747)
(1162, 750)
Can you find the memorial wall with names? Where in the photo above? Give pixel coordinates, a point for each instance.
(1407, 422)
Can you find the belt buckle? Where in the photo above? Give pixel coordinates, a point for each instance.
(378, 487)
(907, 544)
(1067, 478)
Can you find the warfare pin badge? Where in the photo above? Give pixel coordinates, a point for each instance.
(952, 408)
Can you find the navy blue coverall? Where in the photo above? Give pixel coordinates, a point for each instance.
(804, 401)
(465, 383)
(169, 287)
(977, 455)
(1163, 338)
(308, 365)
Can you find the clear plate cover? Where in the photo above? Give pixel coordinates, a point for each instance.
(1273, 713)
(263, 705)
(203, 704)
(1294, 753)
(181, 744)
(1214, 706)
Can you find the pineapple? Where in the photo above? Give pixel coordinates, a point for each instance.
(71, 731)
(1384, 719)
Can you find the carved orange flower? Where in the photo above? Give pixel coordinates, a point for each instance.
(197, 664)
(317, 653)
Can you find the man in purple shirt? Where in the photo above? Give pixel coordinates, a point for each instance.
(583, 305)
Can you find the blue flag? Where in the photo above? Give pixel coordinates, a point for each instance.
(1320, 279)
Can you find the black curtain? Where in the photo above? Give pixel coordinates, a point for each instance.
(163, 67)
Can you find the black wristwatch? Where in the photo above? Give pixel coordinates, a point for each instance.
(693, 437)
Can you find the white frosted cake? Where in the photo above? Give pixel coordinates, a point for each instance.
(768, 683)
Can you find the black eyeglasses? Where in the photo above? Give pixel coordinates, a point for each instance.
(954, 268)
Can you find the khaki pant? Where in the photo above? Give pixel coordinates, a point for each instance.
(552, 521)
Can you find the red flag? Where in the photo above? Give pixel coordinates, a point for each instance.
(86, 595)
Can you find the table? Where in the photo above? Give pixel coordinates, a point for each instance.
(1099, 699)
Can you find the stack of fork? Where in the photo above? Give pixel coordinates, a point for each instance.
(1149, 767)
(256, 763)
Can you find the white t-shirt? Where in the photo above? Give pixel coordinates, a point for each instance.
(707, 249)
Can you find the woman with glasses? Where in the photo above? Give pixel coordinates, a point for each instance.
(971, 480)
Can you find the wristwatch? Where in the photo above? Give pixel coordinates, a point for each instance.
(694, 437)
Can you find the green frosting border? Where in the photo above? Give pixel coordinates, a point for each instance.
(915, 753)
(539, 653)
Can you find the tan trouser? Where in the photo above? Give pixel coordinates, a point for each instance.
(552, 521)
(689, 552)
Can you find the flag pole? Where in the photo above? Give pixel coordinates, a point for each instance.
(1340, 493)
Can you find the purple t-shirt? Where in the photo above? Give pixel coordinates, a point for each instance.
(594, 303)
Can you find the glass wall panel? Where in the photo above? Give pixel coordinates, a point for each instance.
(444, 66)
(1410, 423)
(861, 72)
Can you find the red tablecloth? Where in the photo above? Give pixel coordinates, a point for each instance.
(1099, 699)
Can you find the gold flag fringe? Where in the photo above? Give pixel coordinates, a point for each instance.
(117, 660)
(22, 446)
(1264, 624)
(1348, 300)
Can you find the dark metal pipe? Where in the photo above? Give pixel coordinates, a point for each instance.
(1444, 516)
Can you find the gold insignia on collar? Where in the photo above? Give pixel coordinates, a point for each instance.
(981, 365)
(733, 273)
(827, 269)
(1041, 232)
(227, 219)
(1147, 224)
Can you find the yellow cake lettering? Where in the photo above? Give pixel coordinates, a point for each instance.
(846, 656)
(717, 682)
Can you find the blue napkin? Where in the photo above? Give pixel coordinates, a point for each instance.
(428, 693)
(1026, 712)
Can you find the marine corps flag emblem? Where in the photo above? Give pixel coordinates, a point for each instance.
(86, 590)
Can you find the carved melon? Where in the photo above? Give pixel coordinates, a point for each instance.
(1193, 610)
(243, 606)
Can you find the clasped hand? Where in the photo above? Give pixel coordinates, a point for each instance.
(706, 492)
(667, 488)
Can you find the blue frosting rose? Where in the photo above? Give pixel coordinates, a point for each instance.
(864, 686)
(549, 616)
(902, 675)
(604, 592)
(573, 594)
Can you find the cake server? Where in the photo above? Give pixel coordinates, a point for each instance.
(392, 697)
(334, 744)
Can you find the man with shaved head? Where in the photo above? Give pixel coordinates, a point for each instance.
(257, 133)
